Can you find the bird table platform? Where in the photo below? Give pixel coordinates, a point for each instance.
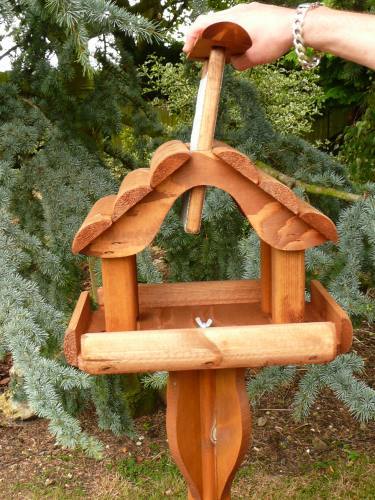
(255, 323)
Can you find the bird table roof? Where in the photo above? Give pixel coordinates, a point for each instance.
(124, 224)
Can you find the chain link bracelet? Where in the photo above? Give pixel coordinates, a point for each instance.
(299, 44)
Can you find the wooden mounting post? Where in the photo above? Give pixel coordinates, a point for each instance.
(208, 426)
(288, 286)
(120, 291)
(202, 135)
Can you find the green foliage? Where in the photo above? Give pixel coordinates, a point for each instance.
(268, 380)
(176, 88)
(72, 23)
(358, 150)
(353, 5)
(140, 473)
(57, 125)
(291, 99)
(157, 380)
(338, 376)
(37, 269)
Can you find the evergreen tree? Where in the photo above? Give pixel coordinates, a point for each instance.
(56, 143)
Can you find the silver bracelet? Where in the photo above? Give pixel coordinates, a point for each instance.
(299, 44)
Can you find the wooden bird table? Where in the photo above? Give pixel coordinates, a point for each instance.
(253, 323)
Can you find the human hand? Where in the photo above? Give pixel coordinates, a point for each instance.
(269, 27)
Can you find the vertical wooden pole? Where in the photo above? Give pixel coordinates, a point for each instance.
(288, 286)
(120, 292)
(266, 277)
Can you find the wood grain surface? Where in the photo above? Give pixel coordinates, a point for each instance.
(273, 222)
(288, 286)
(327, 308)
(220, 347)
(208, 428)
(266, 277)
(133, 188)
(120, 293)
(97, 221)
(203, 132)
(78, 325)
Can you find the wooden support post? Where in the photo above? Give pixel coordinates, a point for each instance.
(208, 426)
(288, 286)
(266, 277)
(120, 291)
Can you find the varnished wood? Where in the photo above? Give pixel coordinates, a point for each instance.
(266, 277)
(166, 159)
(172, 157)
(120, 293)
(316, 219)
(78, 325)
(184, 427)
(255, 323)
(97, 221)
(203, 131)
(273, 222)
(288, 286)
(133, 188)
(199, 293)
(212, 74)
(221, 347)
(233, 424)
(217, 43)
(184, 316)
(230, 36)
(279, 192)
(238, 161)
(169, 312)
(207, 402)
(208, 426)
(328, 309)
(193, 203)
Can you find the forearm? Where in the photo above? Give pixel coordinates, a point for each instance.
(345, 34)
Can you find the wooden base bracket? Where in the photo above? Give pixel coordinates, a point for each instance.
(208, 427)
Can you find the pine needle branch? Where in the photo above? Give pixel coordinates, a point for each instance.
(291, 182)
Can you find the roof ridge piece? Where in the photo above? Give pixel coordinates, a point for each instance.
(167, 162)
(134, 187)
(239, 161)
(166, 159)
(97, 221)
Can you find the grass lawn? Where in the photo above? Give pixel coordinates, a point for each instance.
(159, 478)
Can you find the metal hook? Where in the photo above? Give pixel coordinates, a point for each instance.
(203, 324)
